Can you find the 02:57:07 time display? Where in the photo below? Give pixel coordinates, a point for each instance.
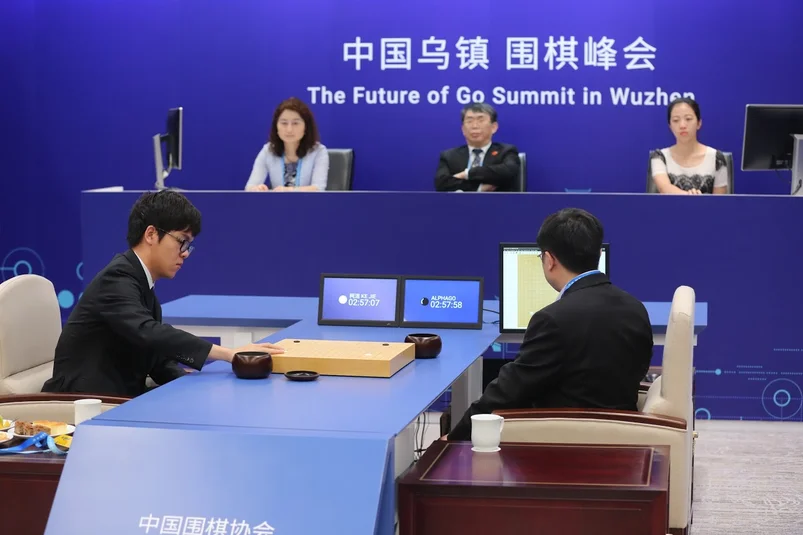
(446, 304)
(353, 302)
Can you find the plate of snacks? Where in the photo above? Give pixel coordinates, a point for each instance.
(5, 425)
(5, 437)
(25, 429)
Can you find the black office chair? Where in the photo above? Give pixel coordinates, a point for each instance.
(341, 169)
(521, 183)
(652, 188)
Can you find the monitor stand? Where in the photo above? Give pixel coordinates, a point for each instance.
(161, 173)
(797, 165)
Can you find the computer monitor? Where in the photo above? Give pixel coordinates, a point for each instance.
(442, 302)
(769, 137)
(364, 300)
(173, 141)
(524, 289)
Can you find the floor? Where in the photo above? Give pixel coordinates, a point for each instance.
(748, 476)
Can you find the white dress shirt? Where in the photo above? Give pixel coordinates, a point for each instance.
(147, 273)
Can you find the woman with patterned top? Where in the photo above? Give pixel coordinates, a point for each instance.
(688, 167)
(294, 158)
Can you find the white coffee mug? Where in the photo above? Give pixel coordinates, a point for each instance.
(486, 432)
(86, 409)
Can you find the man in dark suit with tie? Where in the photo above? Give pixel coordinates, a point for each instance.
(589, 349)
(114, 337)
(481, 164)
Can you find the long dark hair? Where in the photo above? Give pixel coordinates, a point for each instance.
(310, 138)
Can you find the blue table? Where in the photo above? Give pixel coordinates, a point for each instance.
(143, 478)
(341, 404)
(241, 320)
(370, 408)
(342, 425)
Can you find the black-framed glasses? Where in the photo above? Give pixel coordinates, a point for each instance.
(185, 245)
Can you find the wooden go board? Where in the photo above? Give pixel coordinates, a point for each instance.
(336, 357)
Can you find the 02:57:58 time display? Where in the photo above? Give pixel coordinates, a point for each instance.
(446, 304)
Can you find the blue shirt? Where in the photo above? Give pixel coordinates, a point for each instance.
(314, 169)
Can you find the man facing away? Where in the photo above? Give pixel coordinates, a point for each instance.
(589, 349)
(114, 337)
(482, 164)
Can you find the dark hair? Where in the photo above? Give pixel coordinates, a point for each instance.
(310, 138)
(685, 100)
(574, 237)
(167, 211)
(478, 107)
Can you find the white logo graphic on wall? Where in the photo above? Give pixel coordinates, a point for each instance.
(473, 54)
(26, 261)
(555, 53)
(22, 261)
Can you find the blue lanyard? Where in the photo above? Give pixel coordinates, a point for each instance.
(577, 278)
(42, 441)
(298, 172)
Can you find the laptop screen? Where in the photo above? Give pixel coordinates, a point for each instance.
(525, 290)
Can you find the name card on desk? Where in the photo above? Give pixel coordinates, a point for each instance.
(155, 481)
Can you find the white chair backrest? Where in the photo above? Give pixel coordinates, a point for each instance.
(30, 323)
(670, 395)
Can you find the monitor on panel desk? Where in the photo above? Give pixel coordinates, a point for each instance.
(524, 289)
(773, 140)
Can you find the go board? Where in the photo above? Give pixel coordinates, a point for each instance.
(340, 357)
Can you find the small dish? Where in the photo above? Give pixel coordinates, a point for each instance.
(485, 450)
(302, 375)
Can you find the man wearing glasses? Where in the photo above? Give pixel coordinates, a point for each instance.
(589, 349)
(114, 338)
(481, 164)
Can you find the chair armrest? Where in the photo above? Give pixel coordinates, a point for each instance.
(44, 397)
(658, 420)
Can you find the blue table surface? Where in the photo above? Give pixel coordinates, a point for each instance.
(267, 311)
(240, 310)
(218, 473)
(215, 396)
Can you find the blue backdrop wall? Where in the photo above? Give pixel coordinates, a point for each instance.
(86, 83)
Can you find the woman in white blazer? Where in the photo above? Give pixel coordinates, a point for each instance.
(293, 159)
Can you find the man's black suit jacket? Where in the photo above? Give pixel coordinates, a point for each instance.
(115, 338)
(499, 168)
(589, 349)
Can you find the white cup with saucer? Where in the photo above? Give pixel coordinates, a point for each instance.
(486, 432)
